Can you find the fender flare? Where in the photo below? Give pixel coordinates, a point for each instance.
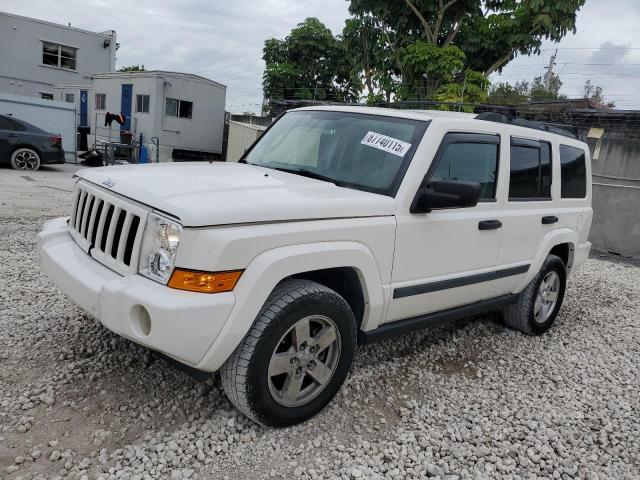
(550, 240)
(271, 267)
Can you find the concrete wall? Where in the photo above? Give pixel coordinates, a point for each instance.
(22, 71)
(616, 194)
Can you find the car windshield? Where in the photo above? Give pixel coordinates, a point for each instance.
(361, 151)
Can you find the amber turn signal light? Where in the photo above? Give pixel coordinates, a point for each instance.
(204, 282)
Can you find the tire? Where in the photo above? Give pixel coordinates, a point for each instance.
(533, 318)
(25, 158)
(261, 379)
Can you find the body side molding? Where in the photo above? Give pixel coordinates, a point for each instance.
(411, 290)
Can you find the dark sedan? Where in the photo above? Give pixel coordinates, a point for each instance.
(26, 147)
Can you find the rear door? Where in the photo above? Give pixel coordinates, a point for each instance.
(9, 137)
(532, 207)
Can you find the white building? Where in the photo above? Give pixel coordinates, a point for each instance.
(35, 55)
(184, 112)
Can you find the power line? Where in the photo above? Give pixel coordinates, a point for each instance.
(223, 67)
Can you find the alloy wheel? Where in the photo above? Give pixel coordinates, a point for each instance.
(26, 160)
(304, 361)
(547, 297)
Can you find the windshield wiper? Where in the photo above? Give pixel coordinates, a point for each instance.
(307, 173)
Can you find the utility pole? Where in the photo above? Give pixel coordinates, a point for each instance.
(549, 75)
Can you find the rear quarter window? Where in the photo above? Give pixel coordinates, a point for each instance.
(573, 173)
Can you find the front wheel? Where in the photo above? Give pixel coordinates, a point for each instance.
(295, 357)
(539, 303)
(25, 159)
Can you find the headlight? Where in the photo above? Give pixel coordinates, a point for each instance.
(159, 246)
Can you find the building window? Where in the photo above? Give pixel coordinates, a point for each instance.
(178, 108)
(101, 101)
(46, 96)
(530, 170)
(471, 158)
(142, 103)
(69, 98)
(573, 173)
(59, 56)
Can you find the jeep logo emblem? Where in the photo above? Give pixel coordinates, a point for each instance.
(109, 183)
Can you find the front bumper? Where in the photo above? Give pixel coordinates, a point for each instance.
(581, 255)
(183, 325)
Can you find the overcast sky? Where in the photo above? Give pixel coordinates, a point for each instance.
(223, 40)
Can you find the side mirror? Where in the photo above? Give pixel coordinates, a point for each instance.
(446, 194)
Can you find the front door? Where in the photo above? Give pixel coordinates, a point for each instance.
(447, 258)
(83, 109)
(9, 137)
(125, 105)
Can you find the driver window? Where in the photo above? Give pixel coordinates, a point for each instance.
(469, 158)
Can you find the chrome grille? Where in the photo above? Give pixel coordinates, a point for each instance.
(107, 226)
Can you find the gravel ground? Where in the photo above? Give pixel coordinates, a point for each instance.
(473, 400)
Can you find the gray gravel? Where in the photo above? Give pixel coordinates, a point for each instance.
(473, 400)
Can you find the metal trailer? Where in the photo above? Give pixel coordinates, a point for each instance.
(184, 112)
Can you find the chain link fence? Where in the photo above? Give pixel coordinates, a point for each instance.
(157, 153)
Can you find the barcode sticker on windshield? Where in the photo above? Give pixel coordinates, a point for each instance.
(387, 144)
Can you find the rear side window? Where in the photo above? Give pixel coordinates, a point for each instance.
(530, 177)
(469, 157)
(573, 172)
(6, 124)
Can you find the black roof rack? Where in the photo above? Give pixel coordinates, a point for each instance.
(564, 130)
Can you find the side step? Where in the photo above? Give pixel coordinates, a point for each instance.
(403, 327)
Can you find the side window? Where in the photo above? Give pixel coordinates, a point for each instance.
(469, 157)
(6, 124)
(101, 101)
(573, 173)
(530, 177)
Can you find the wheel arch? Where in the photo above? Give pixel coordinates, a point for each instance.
(560, 242)
(26, 145)
(320, 262)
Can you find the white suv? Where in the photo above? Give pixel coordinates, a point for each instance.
(341, 226)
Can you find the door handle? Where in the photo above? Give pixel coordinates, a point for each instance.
(549, 220)
(12, 135)
(489, 225)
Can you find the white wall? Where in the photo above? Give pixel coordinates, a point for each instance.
(22, 72)
(49, 115)
(205, 130)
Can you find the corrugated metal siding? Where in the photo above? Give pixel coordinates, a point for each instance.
(241, 137)
(49, 115)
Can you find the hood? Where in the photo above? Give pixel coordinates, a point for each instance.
(205, 194)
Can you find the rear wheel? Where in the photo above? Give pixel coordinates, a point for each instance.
(539, 303)
(25, 159)
(295, 357)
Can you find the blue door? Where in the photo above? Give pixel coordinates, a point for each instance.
(125, 105)
(83, 108)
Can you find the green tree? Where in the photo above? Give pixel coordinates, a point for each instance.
(595, 94)
(309, 64)
(538, 91)
(507, 94)
(523, 92)
(132, 68)
(484, 34)
(371, 57)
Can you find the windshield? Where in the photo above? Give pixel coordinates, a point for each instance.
(365, 152)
